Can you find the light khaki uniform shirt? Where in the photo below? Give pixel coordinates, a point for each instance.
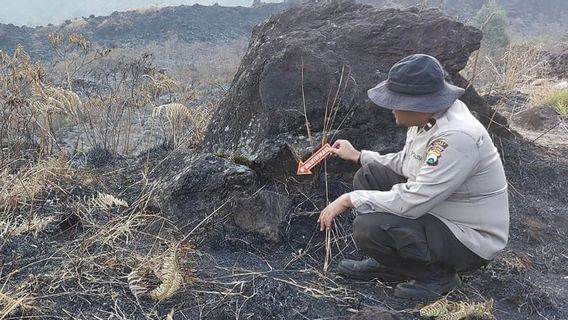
(454, 173)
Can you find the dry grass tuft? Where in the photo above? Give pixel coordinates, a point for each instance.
(136, 283)
(435, 309)
(107, 201)
(161, 83)
(172, 111)
(26, 185)
(516, 68)
(170, 275)
(521, 64)
(168, 270)
(120, 229)
(48, 99)
(540, 91)
(181, 120)
(34, 225)
(10, 305)
(447, 310)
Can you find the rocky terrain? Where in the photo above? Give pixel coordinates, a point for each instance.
(224, 228)
(188, 24)
(185, 24)
(260, 128)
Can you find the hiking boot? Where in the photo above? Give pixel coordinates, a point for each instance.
(427, 289)
(366, 270)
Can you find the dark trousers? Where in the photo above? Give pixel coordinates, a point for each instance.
(421, 248)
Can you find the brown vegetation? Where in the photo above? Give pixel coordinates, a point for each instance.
(48, 188)
(77, 232)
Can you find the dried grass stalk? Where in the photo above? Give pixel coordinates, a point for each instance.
(522, 63)
(170, 315)
(328, 256)
(36, 225)
(136, 283)
(446, 310)
(107, 201)
(435, 309)
(9, 304)
(170, 276)
(26, 185)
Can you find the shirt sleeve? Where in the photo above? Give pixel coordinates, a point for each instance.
(450, 159)
(392, 161)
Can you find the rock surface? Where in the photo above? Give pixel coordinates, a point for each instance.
(264, 212)
(558, 61)
(537, 118)
(320, 59)
(196, 183)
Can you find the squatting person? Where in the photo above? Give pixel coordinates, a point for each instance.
(436, 208)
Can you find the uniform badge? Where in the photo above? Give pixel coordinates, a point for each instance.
(435, 150)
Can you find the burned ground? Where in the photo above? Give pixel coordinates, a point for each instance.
(90, 236)
(77, 267)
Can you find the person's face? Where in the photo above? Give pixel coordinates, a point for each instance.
(410, 118)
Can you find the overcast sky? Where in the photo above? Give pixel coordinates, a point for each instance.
(42, 12)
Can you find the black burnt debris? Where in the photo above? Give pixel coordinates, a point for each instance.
(225, 229)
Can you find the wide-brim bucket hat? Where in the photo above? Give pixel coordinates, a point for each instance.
(416, 83)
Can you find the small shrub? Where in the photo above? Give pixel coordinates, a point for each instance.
(492, 20)
(522, 66)
(521, 63)
(559, 101)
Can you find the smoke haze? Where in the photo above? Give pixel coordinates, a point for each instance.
(42, 12)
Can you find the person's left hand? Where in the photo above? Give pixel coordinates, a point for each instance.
(333, 210)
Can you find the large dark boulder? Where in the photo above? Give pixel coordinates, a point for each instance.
(341, 49)
(315, 61)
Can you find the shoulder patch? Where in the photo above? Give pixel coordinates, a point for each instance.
(435, 150)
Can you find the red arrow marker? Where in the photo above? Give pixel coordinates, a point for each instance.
(304, 168)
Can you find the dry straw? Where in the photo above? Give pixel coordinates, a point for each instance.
(177, 115)
(10, 305)
(107, 201)
(331, 110)
(435, 309)
(447, 310)
(169, 273)
(136, 283)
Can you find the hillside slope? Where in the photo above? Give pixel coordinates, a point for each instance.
(138, 28)
(220, 24)
(526, 18)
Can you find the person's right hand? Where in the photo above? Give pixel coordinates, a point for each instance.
(344, 150)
